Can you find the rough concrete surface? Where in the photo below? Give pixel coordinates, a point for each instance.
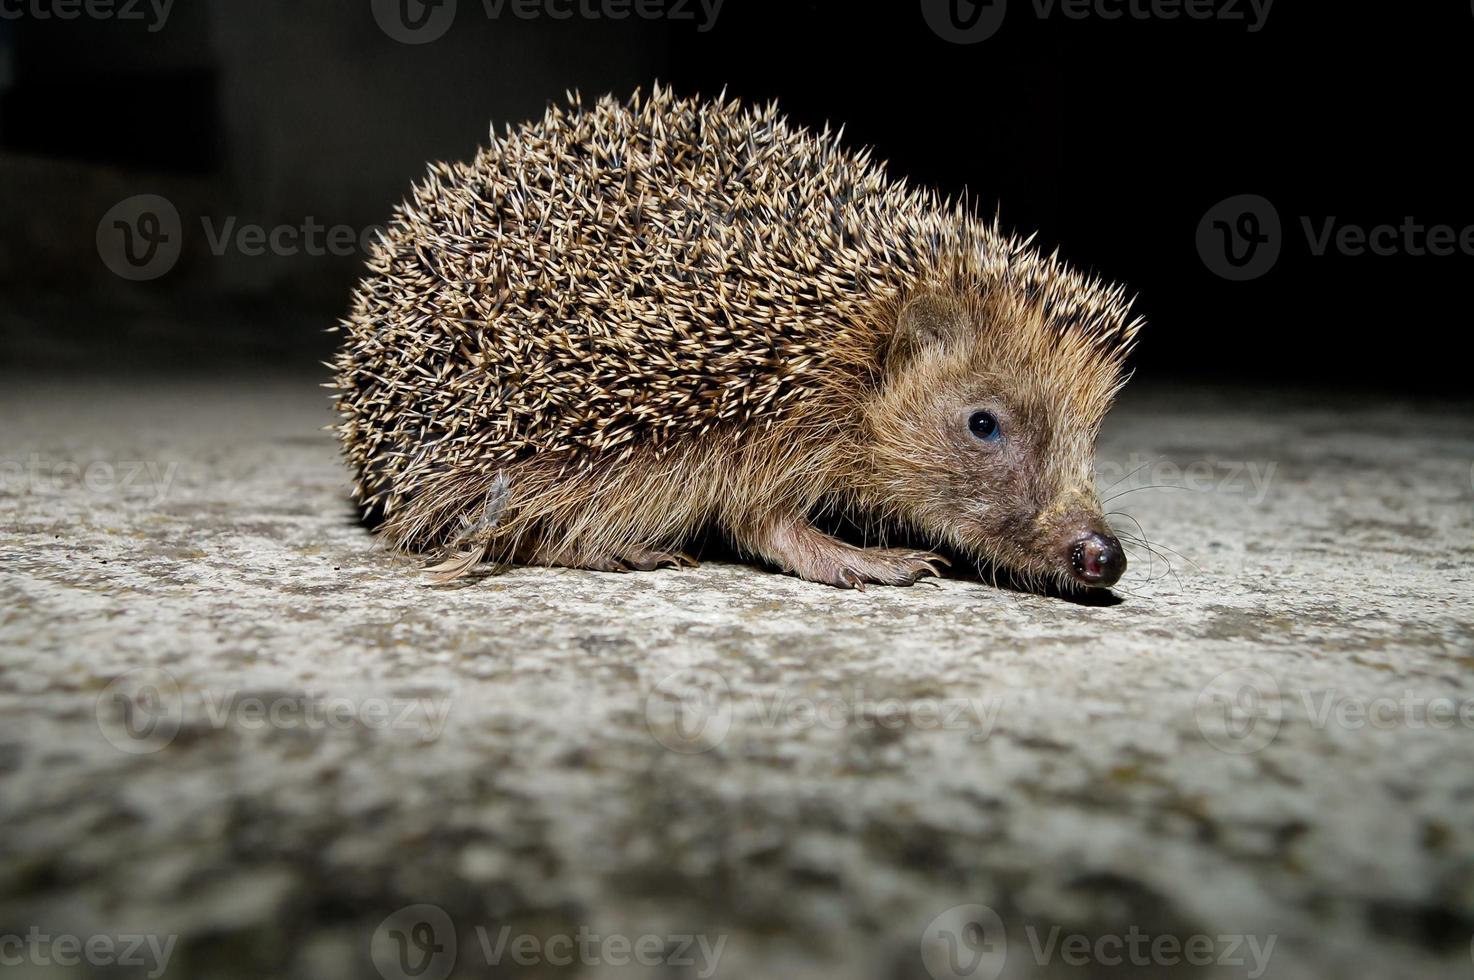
(233, 723)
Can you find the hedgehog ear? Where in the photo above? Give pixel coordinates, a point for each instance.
(926, 320)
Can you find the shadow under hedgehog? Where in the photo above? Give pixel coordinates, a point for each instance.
(625, 323)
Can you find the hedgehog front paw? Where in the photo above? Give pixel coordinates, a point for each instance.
(809, 553)
(882, 566)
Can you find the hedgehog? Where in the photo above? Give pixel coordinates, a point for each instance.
(629, 325)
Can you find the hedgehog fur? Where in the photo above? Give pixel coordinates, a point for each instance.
(629, 321)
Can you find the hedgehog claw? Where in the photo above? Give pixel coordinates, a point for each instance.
(649, 559)
(881, 566)
(636, 559)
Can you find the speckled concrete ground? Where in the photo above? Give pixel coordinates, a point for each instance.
(233, 726)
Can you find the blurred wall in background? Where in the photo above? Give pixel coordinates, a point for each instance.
(282, 133)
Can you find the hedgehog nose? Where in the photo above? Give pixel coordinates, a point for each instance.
(1097, 559)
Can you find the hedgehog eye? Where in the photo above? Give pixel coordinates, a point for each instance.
(984, 425)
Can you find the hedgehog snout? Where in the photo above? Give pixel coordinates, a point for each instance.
(1097, 559)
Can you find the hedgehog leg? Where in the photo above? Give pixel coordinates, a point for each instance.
(798, 547)
(474, 538)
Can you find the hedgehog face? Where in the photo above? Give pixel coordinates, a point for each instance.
(983, 435)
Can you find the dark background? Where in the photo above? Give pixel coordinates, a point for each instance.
(1110, 138)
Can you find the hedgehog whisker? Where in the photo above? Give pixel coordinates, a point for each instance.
(1134, 548)
(1130, 540)
(1160, 548)
(1142, 539)
(1128, 476)
(1153, 486)
(1127, 539)
(1133, 593)
(1140, 531)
